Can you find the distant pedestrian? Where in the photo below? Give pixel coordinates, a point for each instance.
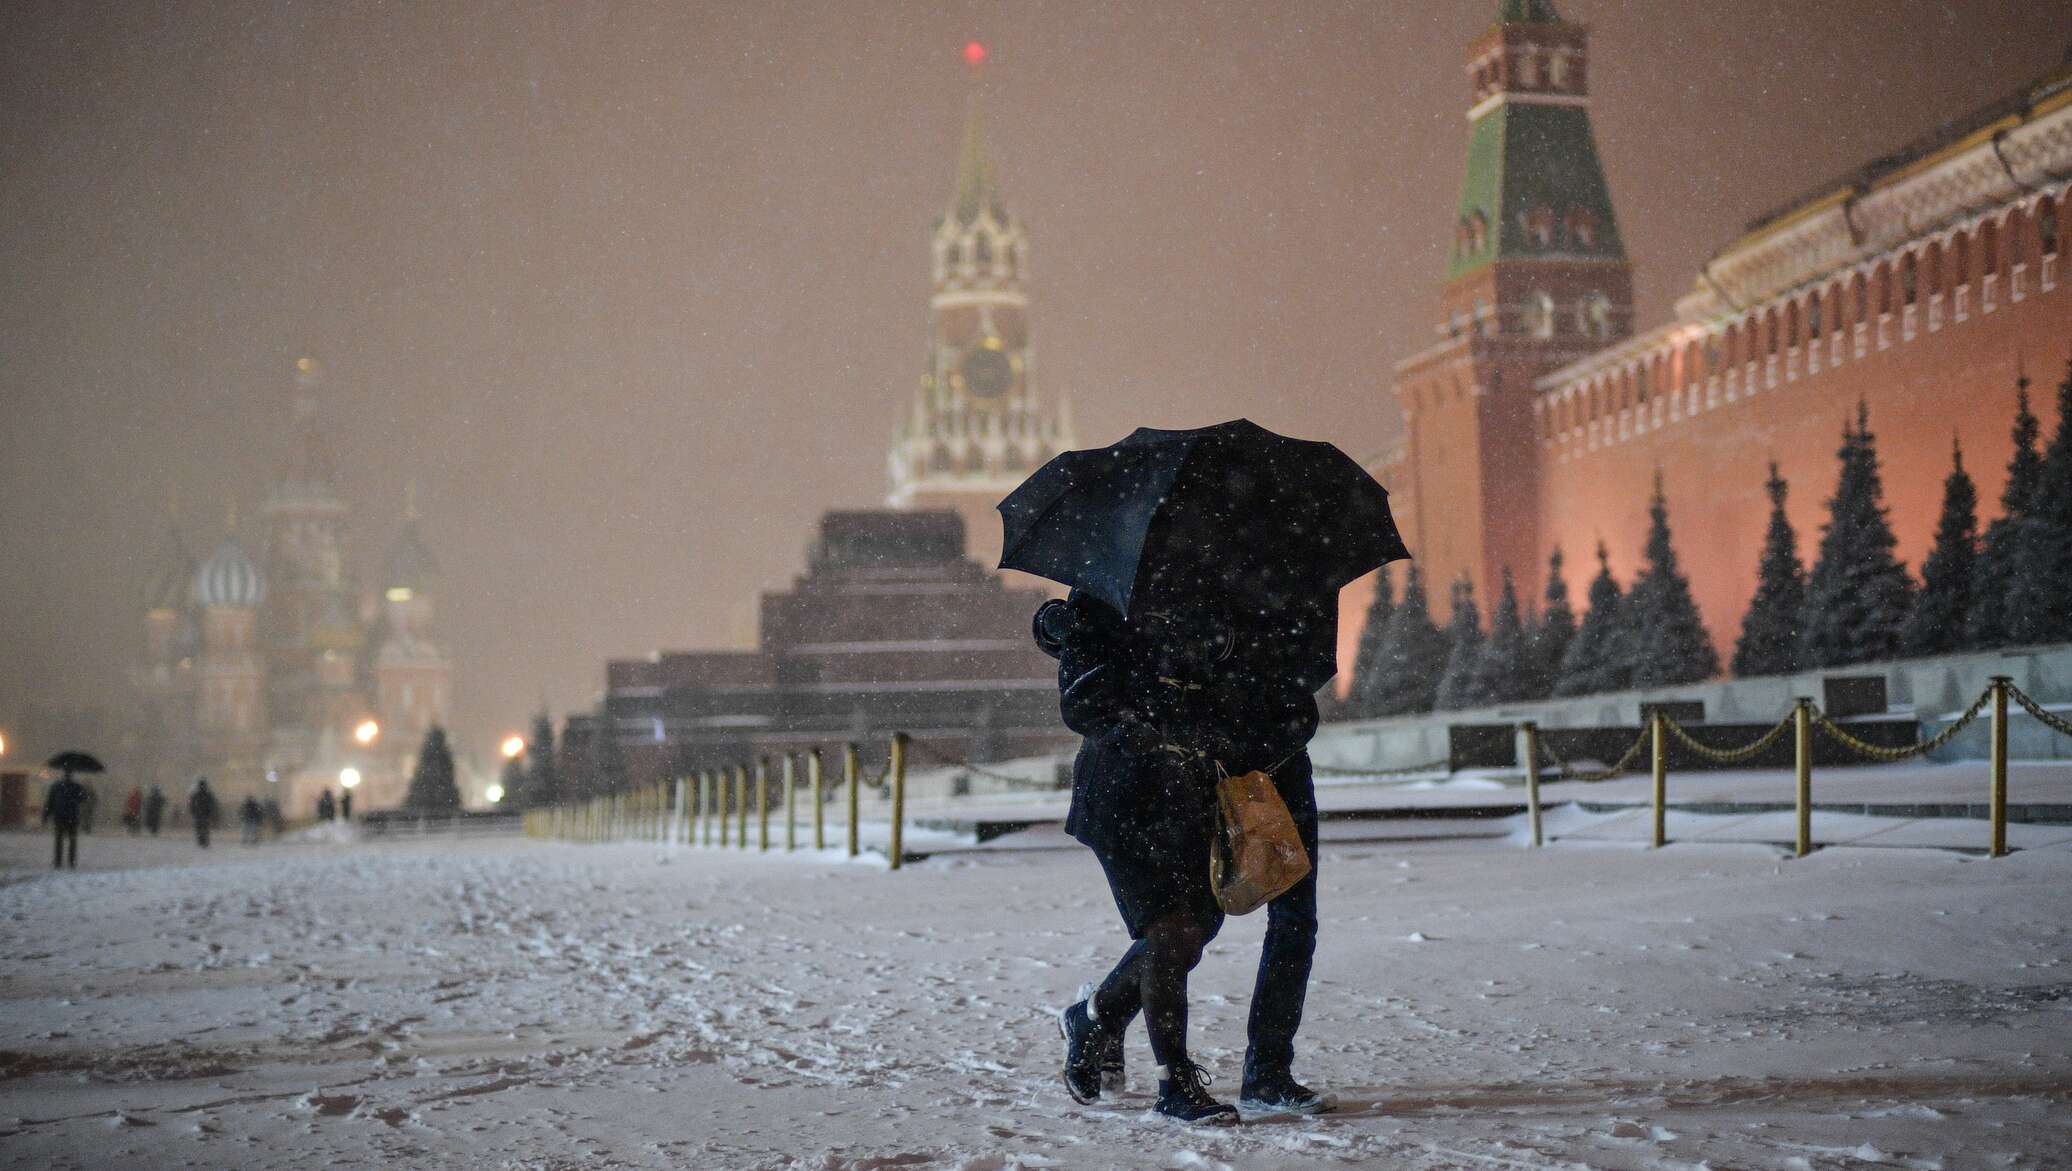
(201, 806)
(64, 803)
(274, 821)
(327, 808)
(133, 810)
(345, 805)
(154, 809)
(249, 815)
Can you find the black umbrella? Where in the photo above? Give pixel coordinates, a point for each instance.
(1261, 523)
(75, 762)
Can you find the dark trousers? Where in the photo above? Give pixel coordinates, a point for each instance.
(1281, 986)
(201, 834)
(65, 842)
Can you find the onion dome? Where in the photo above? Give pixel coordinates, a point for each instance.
(410, 565)
(228, 578)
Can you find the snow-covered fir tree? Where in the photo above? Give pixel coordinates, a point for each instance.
(1458, 684)
(1943, 605)
(1413, 654)
(1503, 671)
(2039, 592)
(1858, 594)
(1551, 634)
(433, 787)
(1670, 640)
(1986, 626)
(1769, 642)
(1597, 658)
(1362, 698)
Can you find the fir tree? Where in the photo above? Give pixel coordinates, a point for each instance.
(2039, 593)
(1413, 654)
(1551, 635)
(515, 784)
(1769, 643)
(607, 763)
(433, 789)
(542, 776)
(1936, 626)
(1668, 639)
(1363, 697)
(1858, 594)
(1503, 671)
(1458, 684)
(1596, 659)
(1986, 626)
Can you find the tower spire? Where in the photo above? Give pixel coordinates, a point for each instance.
(978, 184)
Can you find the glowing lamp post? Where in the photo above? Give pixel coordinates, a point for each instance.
(512, 746)
(348, 778)
(367, 732)
(493, 794)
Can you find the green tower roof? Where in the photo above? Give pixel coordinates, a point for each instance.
(1529, 158)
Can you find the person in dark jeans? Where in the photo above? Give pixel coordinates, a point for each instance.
(201, 807)
(64, 807)
(1167, 703)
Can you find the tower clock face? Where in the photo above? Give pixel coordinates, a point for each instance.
(987, 372)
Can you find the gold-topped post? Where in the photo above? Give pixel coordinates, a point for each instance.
(741, 806)
(762, 802)
(1530, 733)
(852, 769)
(819, 800)
(1998, 809)
(898, 769)
(791, 802)
(1802, 747)
(1661, 779)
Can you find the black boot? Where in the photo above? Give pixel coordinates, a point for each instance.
(1085, 1042)
(1183, 1093)
(1278, 1092)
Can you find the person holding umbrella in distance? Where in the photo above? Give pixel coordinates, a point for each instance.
(1205, 567)
(65, 805)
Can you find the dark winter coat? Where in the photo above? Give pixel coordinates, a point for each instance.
(154, 807)
(202, 806)
(65, 803)
(249, 812)
(1157, 724)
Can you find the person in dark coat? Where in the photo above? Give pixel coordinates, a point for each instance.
(1167, 705)
(345, 805)
(201, 806)
(249, 815)
(154, 809)
(327, 809)
(64, 807)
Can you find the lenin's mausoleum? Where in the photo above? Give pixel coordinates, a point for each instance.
(1922, 285)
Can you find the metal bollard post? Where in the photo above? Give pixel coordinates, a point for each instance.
(1531, 735)
(850, 770)
(687, 794)
(898, 769)
(1998, 811)
(1661, 780)
(1802, 745)
(741, 806)
(762, 802)
(819, 800)
(791, 802)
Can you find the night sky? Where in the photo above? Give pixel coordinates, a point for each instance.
(634, 292)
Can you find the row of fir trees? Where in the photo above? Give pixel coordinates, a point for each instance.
(544, 775)
(1856, 604)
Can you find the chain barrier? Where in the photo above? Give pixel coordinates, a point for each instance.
(1727, 755)
(1840, 735)
(1570, 772)
(1332, 770)
(947, 760)
(2054, 723)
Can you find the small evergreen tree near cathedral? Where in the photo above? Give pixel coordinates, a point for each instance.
(1413, 654)
(1551, 634)
(434, 791)
(1457, 683)
(1986, 624)
(542, 777)
(607, 760)
(514, 783)
(1364, 696)
(1937, 624)
(1503, 671)
(1769, 642)
(1668, 639)
(1597, 658)
(2039, 592)
(1858, 594)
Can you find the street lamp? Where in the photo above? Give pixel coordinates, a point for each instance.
(367, 731)
(349, 777)
(493, 794)
(513, 745)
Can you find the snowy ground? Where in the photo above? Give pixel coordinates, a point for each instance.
(505, 1003)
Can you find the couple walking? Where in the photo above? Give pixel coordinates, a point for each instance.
(1205, 567)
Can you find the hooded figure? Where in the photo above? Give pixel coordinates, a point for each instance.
(201, 806)
(1168, 702)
